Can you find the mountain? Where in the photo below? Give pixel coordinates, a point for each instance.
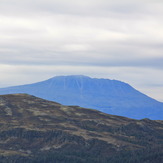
(34, 130)
(109, 96)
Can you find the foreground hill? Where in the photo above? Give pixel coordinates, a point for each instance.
(109, 96)
(33, 130)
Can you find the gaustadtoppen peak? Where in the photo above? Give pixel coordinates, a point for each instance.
(109, 96)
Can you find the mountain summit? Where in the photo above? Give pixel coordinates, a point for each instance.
(109, 96)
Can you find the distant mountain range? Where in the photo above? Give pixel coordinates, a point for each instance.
(34, 130)
(109, 96)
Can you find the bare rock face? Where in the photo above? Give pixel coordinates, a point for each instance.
(37, 130)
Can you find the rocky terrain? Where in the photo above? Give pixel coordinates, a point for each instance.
(36, 130)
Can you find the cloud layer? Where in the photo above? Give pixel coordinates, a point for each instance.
(101, 38)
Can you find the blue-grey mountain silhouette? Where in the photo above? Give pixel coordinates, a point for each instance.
(109, 96)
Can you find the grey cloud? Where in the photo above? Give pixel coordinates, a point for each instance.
(87, 8)
(104, 59)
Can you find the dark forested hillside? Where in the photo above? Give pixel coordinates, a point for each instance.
(33, 130)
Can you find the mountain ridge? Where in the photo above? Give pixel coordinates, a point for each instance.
(34, 130)
(110, 96)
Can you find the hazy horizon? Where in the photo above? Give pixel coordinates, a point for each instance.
(79, 75)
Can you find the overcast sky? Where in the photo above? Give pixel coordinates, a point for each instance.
(120, 39)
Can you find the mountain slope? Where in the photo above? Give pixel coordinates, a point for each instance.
(36, 130)
(109, 96)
